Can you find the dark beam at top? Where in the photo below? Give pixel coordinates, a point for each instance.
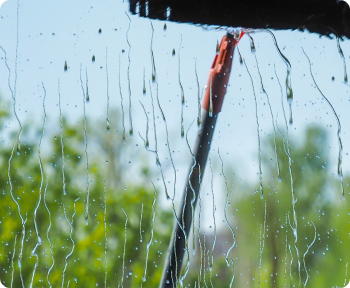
(324, 17)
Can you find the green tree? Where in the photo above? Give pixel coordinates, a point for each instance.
(33, 202)
(272, 247)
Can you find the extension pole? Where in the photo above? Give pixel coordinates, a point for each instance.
(212, 102)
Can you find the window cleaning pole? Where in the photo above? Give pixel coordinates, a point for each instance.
(212, 102)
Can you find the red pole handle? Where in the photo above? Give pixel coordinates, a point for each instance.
(219, 74)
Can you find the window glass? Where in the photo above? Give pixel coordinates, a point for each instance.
(99, 117)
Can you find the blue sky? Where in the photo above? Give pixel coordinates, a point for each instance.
(50, 33)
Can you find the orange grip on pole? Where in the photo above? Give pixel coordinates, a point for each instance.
(219, 74)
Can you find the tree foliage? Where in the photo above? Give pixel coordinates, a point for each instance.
(279, 242)
(45, 240)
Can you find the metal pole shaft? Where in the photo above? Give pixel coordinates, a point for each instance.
(212, 102)
(177, 247)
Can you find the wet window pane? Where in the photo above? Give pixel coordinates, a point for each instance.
(100, 115)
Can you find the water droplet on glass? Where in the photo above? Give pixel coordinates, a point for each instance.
(252, 46)
(144, 82)
(108, 127)
(158, 162)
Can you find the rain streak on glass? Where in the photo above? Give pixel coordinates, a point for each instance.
(12, 260)
(13, 94)
(108, 125)
(340, 154)
(258, 131)
(87, 201)
(13, 91)
(47, 235)
(199, 95)
(123, 265)
(147, 126)
(252, 45)
(272, 119)
(168, 143)
(141, 222)
(211, 260)
(62, 144)
(144, 277)
(286, 254)
(307, 250)
(262, 242)
(131, 129)
(105, 227)
(70, 223)
(39, 242)
(240, 56)
(144, 83)
(211, 97)
(288, 77)
(346, 273)
(87, 87)
(152, 56)
(20, 256)
(344, 62)
(191, 187)
(121, 103)
(228, 200)
(156, 142)
(200, 268)
(182, 93)
(286, 147)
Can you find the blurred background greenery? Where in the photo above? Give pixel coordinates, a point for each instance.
(45, 242)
